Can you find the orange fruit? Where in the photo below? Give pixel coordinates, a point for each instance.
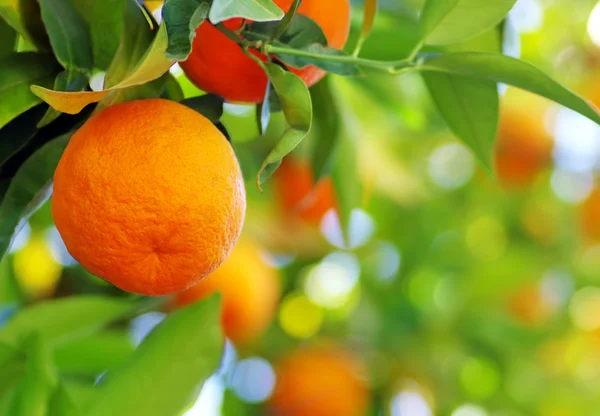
(523, 148)
(590, 216)
(319, 381)
(149, 196)
(298, 193)
(250, 291)
(218, 65)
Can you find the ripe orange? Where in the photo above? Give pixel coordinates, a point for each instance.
(149, 196)
(298, 194)
(218, 65)
(319, 381)
(524, 148)
(250, 290)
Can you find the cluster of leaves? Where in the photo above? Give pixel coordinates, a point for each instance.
(49, 50)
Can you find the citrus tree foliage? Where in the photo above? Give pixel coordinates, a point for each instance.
(51, 49)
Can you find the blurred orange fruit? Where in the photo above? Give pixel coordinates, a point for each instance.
(590, 216)
(319, 381)
(299, 195)
(528, 305)
(149, 196)
(250, 290)
(218, 65)
(523, 147)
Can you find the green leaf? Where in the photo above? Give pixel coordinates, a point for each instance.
(326, 127)
(17, 72)
(12, 362)
(65, 81)
(172, 90)
(340, 68)
(470, 107)
(64, 319)
(182, 18)
(69, 35)
(151, 66)
(24, 17)
(8, 39)
(451, 21)
(29, 189)
(105, 21)
(256, 10)
(94, 354)
(501, 68)
(16, 134)
(209, 105)
(166, 370)
(263, 111)
(297, 108)
(36, 388)
(61, 403)
(152, 89)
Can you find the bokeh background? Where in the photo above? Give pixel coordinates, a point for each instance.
(461, 294)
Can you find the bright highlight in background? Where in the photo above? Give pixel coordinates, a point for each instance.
(253, 380)
(330, 283)
(593, 25)
(299, 316)
(451, 166)
(469, 410)
(410, 403)
(35, 269)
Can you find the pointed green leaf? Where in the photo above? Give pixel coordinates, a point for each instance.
(69, 35)
(167, 369)
(470, 107)
(256, 10)
(29, 189)
(296, 105)
(500, 68)
(182, 18)
(17, 73)
(326, 127)
(450, 21)
(64, 319)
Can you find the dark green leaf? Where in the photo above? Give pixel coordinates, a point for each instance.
(61, 403)
(167, 369)
(64, 319)
(94, 354)
(16, 134)
(29, 189)
(8, 39)
(24, 17)
(69, 35)
(12, 363)
(65, 81)
(36, 388)
(326, 127)
(256, 10)
(17, 73)
(340, 68)
(470, 107)
(297, 108)
(105, 21)
(209, 105)
(172, 90)
(500, 68)
(451, 21)
(182, 18)
(135, 40)
(302, 32)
